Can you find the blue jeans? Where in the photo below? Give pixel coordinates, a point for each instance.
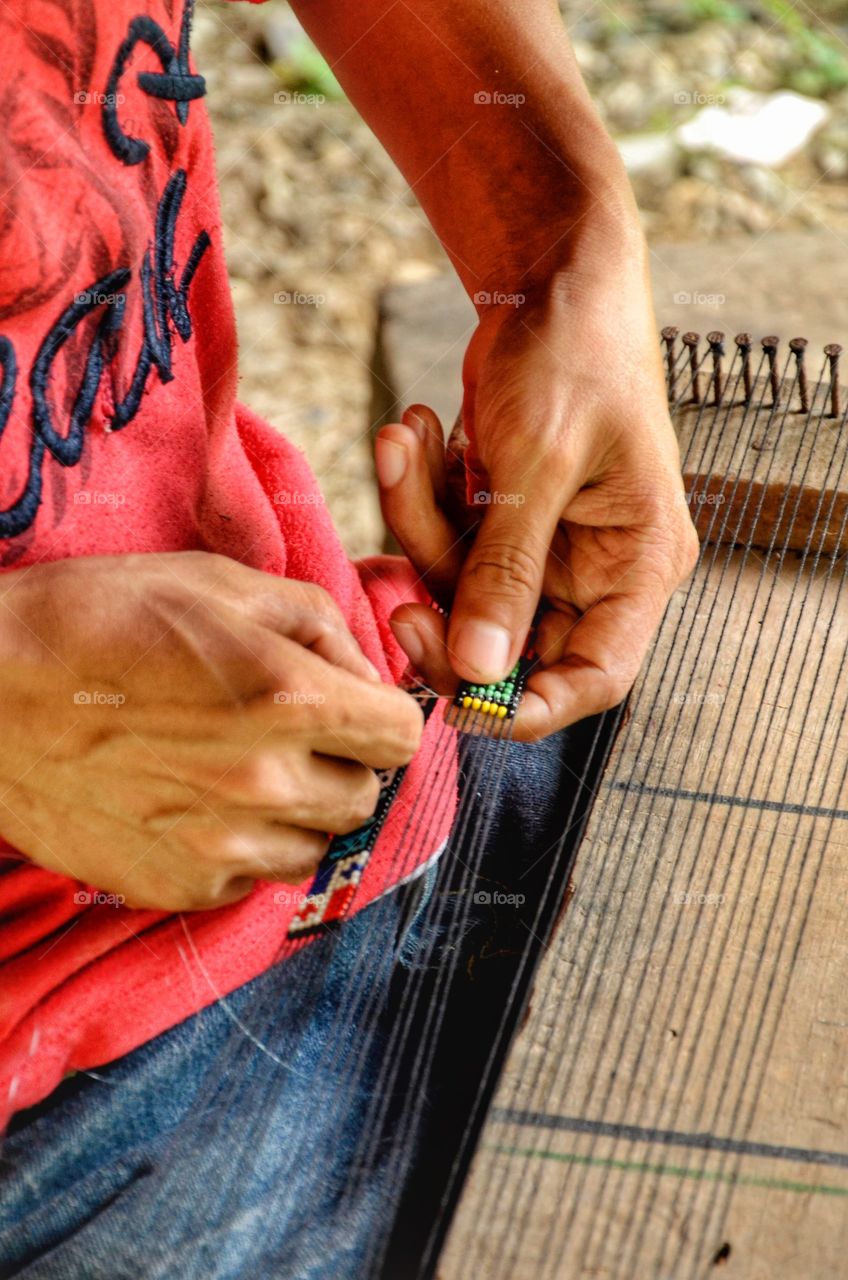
(185, 1158)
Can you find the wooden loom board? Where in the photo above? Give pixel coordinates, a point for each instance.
(695, 1020)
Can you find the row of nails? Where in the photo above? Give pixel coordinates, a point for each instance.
(744, 342)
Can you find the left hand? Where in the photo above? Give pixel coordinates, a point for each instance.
(566, 407)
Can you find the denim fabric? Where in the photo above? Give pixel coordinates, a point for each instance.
(185, 1159)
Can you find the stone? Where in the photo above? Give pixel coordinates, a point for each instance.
(652, 156)
(755, 128)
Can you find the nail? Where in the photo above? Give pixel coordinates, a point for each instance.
(416, 423)
(391, 459)
(407, 636)
(484, 648)
(373, 673)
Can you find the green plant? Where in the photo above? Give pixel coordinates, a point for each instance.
(727, 11)
(306, 70)
(825, 65)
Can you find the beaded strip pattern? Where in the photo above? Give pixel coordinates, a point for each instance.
(500, 700)
(329, 897)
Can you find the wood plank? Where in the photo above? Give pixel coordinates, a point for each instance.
(681, 1083)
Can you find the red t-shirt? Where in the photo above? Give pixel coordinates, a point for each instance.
(120, 432)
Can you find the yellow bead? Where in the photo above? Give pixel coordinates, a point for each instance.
(486, 707)
(476, 704)
(466, 702)
(501, 712)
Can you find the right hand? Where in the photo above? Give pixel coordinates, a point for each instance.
(176, 727)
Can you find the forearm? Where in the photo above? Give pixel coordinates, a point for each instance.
(516, 193)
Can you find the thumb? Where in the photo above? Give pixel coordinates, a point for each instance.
(501, 581)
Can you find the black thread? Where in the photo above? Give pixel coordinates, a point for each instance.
(175, 83)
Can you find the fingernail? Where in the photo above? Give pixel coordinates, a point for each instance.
(416, 423)
(391, 459)
(410, 641)
(373, 672)
(484, 648)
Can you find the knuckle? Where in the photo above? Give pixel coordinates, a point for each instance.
(319, 601)
(257, 779)
(365, 802)
(505, 569)
(300, 856)
(358, 804)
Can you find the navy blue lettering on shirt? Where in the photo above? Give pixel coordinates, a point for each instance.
(164, 299)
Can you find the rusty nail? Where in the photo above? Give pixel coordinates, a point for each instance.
(716, 341)
(743, 342)
(833, 352)
(798, 347)
(669, 335)
(691, 341)
(770, 345)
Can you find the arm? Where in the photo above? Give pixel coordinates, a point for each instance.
(564, 392)
(516, 193)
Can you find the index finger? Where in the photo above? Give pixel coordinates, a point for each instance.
(345, 715)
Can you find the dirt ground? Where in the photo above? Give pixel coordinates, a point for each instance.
(318, 220)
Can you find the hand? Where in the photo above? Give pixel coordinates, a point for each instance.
(572, 441)
(179, 726)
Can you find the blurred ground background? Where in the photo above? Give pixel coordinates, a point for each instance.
(318, 221)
